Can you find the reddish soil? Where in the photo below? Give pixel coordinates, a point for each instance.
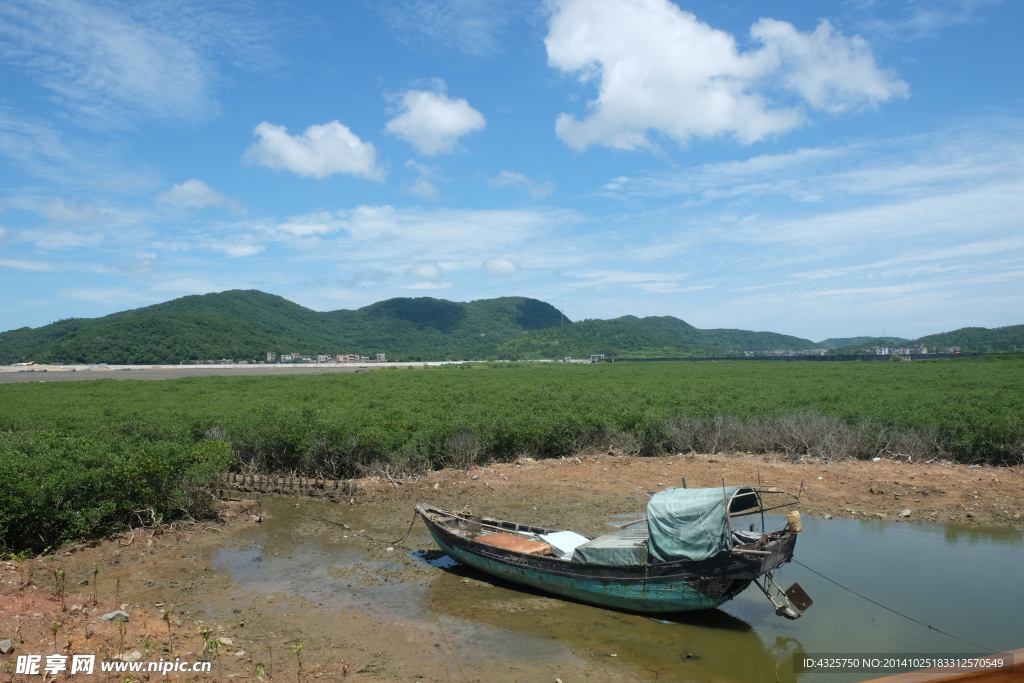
(171, 567)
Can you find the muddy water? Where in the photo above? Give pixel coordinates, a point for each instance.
(961, 580)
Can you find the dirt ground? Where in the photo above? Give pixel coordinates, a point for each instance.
(172, 568)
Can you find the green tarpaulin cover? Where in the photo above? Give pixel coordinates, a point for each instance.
(689, 524)
(625, 548)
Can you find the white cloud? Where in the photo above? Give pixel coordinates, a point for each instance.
(507, 178)
(984, 152)
(107, 296)
(62, 211)
(195, 194)
(497, 265)
(660, 68)
(423, 186)
(651, 283)
(831, 72)
(469, 26)
(237, 246)
(105, 63)
(429, 285)
(926, 20)
(432, 122)
(42, 151)
(361, 279)
(321, 151)
(35, 266)
(426, 271)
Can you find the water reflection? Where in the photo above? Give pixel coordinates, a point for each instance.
(961, 579)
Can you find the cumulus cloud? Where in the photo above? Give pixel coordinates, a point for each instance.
(510, 178)
(195, 194)
(426, 271)
(831, 72)
(432, 122)
(321, 151)
(497, 265)
(660, 68)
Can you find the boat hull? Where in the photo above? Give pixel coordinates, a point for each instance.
(664, 588)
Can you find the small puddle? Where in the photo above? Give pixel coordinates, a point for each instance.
(963, 580)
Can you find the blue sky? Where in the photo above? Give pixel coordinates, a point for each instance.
(819, 169)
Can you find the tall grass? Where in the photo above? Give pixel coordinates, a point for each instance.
(78, 458)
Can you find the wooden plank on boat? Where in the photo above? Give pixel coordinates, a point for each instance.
(515, 543)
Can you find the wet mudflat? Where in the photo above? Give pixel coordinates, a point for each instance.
(959, 579)
(363, 613)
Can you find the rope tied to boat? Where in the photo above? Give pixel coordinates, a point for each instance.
(875, 602)
(415, 516)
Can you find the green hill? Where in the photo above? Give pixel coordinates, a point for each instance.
(978, 339)
(685, 334)
(612, 338)
(244, 325)
(844, 342)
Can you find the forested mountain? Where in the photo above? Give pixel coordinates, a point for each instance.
(682, 332)
(246, 324)
(844, 342)
(978, 339)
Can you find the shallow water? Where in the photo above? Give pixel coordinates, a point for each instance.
(962, 580)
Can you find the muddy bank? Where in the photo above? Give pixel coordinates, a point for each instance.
(575, 492)
(327, 574)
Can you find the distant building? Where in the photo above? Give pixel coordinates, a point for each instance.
(286, 358)
(952, 349)
(243, 362)
(324, 358)
(920, 349)
(307, 359)
(271, 356)
(903, 351)
(596, 357)
(380, 358)
(349, 358)
(362, 358)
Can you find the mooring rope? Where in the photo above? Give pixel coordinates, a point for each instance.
(446, 639)
(415, 516)
(874, 602)
(362, 535)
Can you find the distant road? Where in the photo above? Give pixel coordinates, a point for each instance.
(75, 373)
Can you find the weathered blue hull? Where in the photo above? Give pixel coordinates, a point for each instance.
(640, 596)
(666, 587)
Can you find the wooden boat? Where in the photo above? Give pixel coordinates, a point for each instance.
(648, 586)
